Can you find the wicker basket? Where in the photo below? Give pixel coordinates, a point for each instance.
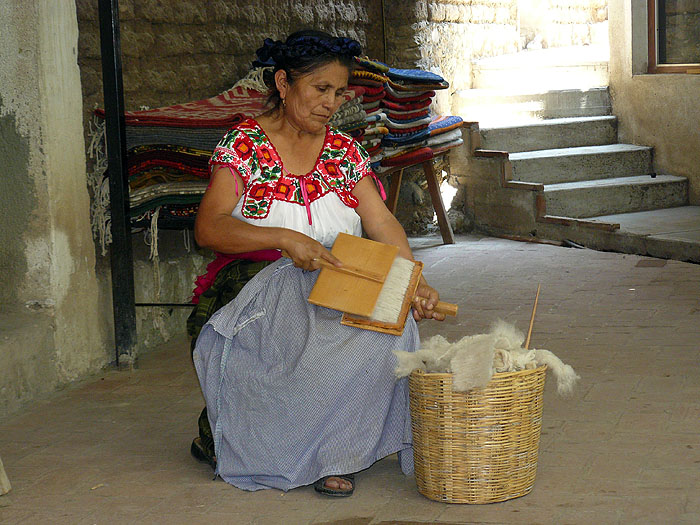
(479, 446)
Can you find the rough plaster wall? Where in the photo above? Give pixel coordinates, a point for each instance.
(23, 169)
(80, 334)
(51, 333)
(655, 110)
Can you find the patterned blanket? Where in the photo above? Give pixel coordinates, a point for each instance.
(222, 111)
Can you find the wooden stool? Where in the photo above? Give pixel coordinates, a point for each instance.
(435, 197)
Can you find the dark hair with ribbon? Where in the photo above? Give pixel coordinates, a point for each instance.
(303, 52)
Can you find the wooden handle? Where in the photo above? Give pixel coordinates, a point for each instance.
(532, 318)
(348, 270)
(446, 308)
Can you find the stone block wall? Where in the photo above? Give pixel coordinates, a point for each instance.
(175, 51)
(560, 23)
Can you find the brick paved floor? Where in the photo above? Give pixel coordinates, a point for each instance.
(624, 449)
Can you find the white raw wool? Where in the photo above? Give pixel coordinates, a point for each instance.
(390, 300)
(565, 374)
(474, 359)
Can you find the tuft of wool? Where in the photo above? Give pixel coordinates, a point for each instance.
(565, 374)
(472, 363)
(475, 358)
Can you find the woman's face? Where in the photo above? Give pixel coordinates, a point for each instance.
(313, 98)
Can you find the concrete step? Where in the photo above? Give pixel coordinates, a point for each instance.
(594, 198)
(672, 233)
(559, 165)
(554, 68)
(551, 134)
(506, 106)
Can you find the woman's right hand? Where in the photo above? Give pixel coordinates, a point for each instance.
(305, 252)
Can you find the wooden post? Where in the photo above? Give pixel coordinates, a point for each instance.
(4, 482)
(439, 207)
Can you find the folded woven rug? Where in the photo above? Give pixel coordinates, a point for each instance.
(444, 123)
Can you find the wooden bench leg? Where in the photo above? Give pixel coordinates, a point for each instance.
(394, 187)
(434, 189)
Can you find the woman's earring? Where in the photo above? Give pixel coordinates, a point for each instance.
(284, 104)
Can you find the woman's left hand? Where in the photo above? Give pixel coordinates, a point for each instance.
(424, 301)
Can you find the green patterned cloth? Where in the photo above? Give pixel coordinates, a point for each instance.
(228, 283)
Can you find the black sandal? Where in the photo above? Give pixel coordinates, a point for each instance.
(198, 452)
(320, 486)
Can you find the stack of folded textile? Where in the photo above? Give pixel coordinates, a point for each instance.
(444, 133)
(350, 116)
(370, 76)
(409, 93)
(168, 150)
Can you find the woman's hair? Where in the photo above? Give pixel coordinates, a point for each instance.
(303, 52)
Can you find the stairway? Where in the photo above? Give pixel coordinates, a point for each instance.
(559, 150)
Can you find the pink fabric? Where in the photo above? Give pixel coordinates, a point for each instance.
(382, 193)
(204, 282)
(305, 196)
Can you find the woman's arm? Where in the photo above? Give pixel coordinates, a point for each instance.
(381, 225)
(216, 229)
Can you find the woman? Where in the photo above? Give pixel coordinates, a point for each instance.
(293, 397)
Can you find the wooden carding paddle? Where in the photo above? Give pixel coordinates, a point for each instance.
(351, 293)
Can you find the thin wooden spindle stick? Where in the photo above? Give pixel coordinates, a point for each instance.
(532, 319)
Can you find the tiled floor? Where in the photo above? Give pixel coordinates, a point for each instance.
(624, 449)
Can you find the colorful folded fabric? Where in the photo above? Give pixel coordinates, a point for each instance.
(402, 86)
(372, 65)
(377, 130)
(371, 105)
(222, 111)
(406, 106)
(358, 90)
(411, 157)
(359, 74)
(404, 131)
(393, 123)
(444, 137)
(176, 193)
(441, 148)
(406, 116)
(372, 98)
(371, 91)
(408, 96)
(416, 76)
(408, 138)
(443, 124)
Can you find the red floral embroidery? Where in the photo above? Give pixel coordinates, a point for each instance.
(266, 157)
(243, 148)
(341, 164)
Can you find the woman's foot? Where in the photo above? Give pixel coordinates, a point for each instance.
(340, 486)
(198, 452)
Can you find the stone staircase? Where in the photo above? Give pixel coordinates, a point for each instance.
(549, 165)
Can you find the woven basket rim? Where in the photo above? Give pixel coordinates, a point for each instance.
(497, 375)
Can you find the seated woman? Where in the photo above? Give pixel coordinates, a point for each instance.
(294, 397)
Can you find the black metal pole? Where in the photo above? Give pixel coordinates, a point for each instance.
(121, 254)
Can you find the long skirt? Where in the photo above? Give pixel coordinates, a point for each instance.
(292, 394)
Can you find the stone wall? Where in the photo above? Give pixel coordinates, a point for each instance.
(175, 51)
(561, 23)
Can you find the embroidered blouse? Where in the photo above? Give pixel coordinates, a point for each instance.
(319, 204)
